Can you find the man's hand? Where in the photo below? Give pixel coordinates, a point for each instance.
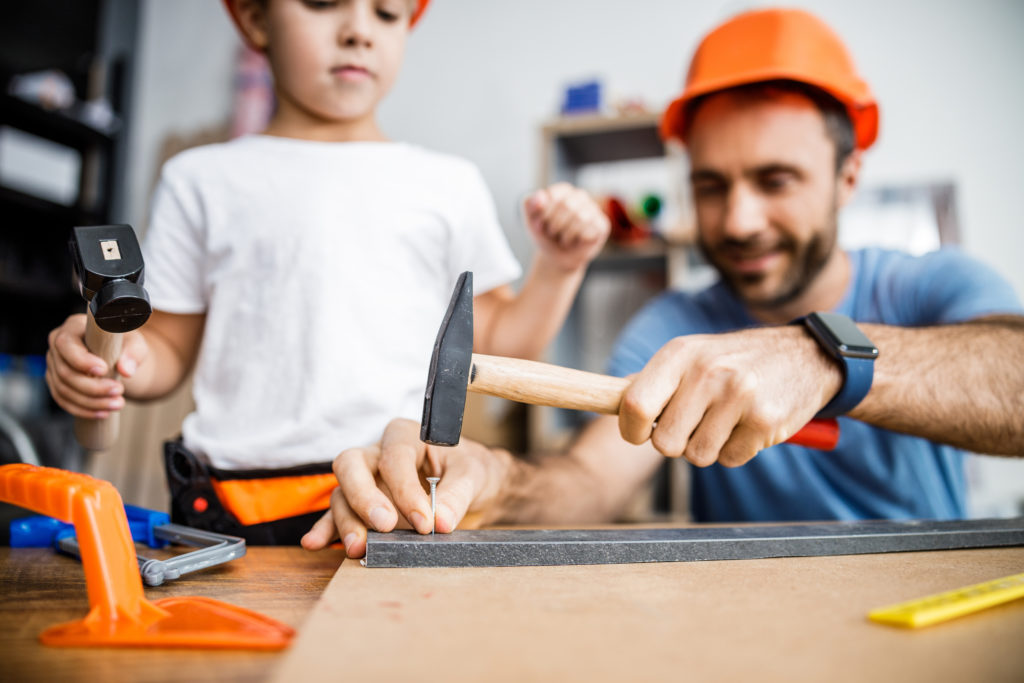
(77, 378)
(567, 224)
(725, 397)
(382, 487)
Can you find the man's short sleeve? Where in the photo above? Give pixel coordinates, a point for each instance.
(173, 250)
(478, 242)
(667, 316)
(948, 286)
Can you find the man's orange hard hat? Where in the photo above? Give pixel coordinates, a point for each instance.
(769, 45)
(232, 7)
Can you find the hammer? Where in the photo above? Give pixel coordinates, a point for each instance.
(455, 369)
(108, 265)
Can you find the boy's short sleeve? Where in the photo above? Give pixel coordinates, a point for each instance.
(478, 243)
(173, 249)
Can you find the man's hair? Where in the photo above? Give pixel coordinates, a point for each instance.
(838, 126)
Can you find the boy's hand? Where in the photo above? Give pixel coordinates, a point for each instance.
(381, 487)
(77, 378)
(567, 224)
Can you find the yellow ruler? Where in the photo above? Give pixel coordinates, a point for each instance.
(951, 604)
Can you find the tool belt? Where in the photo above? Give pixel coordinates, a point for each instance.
(265, 507)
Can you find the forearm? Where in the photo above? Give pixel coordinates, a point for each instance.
(524, 325)
(591, 483)
(957, 384)
(159, 374)
(172, 345)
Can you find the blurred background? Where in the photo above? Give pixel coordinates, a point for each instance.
(97, 94)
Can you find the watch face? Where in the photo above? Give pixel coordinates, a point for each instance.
(843, 335)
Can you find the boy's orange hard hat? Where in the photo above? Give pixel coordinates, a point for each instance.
(232, 7)
(775, 44)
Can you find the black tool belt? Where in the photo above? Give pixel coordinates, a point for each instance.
(195, 501)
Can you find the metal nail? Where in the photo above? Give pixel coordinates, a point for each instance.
(433, 503)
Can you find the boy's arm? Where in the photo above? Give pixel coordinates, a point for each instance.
(173, 340)
(569, 229)
(154, 361)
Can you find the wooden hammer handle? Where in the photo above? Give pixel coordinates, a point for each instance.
(99, 435)
(541, 384)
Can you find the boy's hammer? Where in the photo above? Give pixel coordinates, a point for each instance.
(454, 369)
(108, 269)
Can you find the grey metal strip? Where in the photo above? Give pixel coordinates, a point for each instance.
(514, 548)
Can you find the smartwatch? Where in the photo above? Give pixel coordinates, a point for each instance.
(842, 340)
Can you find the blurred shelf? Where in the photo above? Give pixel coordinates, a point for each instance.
(93, 43)
(61, 214)
(37, 290)
(50, 124)
(596, 138)
(647, 255)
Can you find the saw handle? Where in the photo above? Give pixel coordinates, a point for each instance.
(99, 435)
(543, 384)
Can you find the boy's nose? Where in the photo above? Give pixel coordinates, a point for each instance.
(357, 26)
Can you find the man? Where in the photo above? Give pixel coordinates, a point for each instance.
(775, 120)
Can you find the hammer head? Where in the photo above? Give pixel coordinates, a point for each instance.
(108, 269)
(445, 398)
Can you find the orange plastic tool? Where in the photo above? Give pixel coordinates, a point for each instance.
(119, 614)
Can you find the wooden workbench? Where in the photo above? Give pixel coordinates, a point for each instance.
(39, 588)
(799, 619)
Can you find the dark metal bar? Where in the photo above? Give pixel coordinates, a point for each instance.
(508, 548)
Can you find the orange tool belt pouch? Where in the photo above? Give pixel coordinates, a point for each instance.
(265, 507)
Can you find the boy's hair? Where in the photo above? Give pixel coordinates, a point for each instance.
(838, 126)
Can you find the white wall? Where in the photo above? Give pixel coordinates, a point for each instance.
(183, 84)
(481, 75)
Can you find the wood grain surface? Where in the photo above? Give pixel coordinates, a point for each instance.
(39, 588)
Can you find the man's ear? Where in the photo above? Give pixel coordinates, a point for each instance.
(251, 19)
(847, 177)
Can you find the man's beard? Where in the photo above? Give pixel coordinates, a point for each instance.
(805, 265)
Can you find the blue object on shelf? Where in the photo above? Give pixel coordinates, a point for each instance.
(582, 97)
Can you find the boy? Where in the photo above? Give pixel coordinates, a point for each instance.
(304, 271)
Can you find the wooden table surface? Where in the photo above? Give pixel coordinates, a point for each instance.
(782, 619)
(791, 619)
(40, 588)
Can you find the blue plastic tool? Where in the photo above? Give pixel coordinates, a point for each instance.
(147, 526)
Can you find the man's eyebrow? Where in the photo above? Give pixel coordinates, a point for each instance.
(705, 174)
(775, 167)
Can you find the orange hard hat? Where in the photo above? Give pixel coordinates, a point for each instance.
(769, 45)
(421, 6)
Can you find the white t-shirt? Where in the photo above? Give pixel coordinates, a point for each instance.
(324, 270)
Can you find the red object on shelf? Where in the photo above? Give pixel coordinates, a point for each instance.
(624, 229)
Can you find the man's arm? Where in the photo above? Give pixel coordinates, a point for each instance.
(593, 482)
(723, 398)
(958, 384)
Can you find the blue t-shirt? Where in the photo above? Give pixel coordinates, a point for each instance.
(873, 473)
